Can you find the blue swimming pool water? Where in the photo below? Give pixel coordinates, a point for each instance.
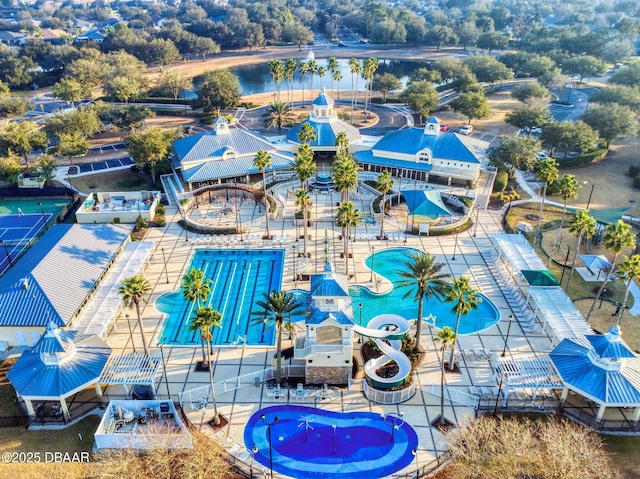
(364, 446)
(239, 279)
(387, 263)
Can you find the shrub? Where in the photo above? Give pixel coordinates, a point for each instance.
(160, 221)
(502, 178)
(634, 170)
(636, 182)
(468, 202)
(160, 209)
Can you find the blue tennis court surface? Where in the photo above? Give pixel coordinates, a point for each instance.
(14, 228)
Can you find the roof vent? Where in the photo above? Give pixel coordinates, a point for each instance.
(24, 282)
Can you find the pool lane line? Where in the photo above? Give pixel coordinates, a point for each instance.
(248, 266)
(230, 280)
(253, 299)
(236, 291)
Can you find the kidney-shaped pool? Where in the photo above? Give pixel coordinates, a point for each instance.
(311, 442)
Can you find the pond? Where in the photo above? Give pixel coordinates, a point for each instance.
(257, 79)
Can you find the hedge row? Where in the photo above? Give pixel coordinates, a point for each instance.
(584, 159)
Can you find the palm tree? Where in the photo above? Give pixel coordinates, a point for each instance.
(133, 290)
(321, 73)
(289, 70)
(278, 306)
(307, 133)
(616, 237)
(465, 298)
(424, 278)
(276, 68)
(313, 69)
(332, 66)
(568, 188)
(342, 142)
(369, 70)
(345, 174)
(548, 172)
(384, 185)
(196, 288)
(262, 161)
(303, 201)
(337, 76)
(629, 271)
(356, 68)
(205, 318)
(582, 225)
(446, 337)
(303, 68)
(279, 116)
(303, 165)
(347, 217)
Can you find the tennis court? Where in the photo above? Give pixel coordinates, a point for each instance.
(20, 222)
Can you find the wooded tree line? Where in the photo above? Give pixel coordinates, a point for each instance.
(160, 34)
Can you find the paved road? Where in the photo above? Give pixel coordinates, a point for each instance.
(389, 118)
(579, 99)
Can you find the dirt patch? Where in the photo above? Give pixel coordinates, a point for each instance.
(500, 103)
(613, 188)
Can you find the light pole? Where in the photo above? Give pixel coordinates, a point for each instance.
(295, 260)
(455, 245)
(44, 218)
(396, 422)
(373, 258)
(269, 424)
(184, 221)
(475, 226)
(6, 250)
(564, 266)
(593, 185)
(504, 351)
(164, 258)
(415, 454)
(360, 308)
(253, 453)
(164, 368)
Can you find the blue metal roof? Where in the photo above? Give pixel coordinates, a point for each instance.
(445, 146)
(214, 144)
(319, 317)
(606, 380)
(60, 270)
(61, 363)
(326, 132)
(232, 167)
(329, 284)
(610, 345)
(323, 99)
(367, 157)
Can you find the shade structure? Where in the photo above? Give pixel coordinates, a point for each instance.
(608, 216)
(517, 252)
(595, 261)
(539, 278)
(599, 367)
(425, 203)
(60, 364)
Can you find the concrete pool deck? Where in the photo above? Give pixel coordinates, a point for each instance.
(238, 405)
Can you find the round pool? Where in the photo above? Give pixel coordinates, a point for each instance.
(387, 264)
(305, 443)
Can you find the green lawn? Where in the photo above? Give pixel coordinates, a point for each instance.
(120, 180)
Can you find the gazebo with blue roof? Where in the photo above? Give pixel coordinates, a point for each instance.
(327, 348)
(600, 368)
(61, 364)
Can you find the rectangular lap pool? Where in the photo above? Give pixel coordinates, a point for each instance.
(239, 278)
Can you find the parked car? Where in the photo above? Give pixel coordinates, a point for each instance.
(466, 130)
(542, 155)
(444, 127)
